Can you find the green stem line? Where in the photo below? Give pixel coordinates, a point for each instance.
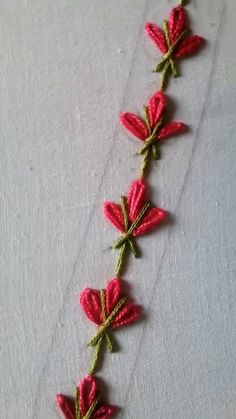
(164, 74)
(144, 165)
(96, 355)
(121, 260)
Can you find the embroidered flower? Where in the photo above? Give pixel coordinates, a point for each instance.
(151, 129)
(173, 41)
(108, 309)
(86, 404)
(133, 218)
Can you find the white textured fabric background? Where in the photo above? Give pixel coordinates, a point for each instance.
(67, 69)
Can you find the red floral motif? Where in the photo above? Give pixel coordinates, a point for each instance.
(117, 311)
(152, 129)
(86, 404)
(135, 203)
(108, 309)
(173, 40)
(134, 217)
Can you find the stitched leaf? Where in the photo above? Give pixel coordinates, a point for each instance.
(66, 405)
(128, 314)
(189, 45)
(154, 217)
(113, 291)
(104, 412)
(169, 129)
(134, 124)
(156, 107)
(87, 393)
(157, 36)
(114, 214)
(136, 198)
(177, 21)
(91, 304)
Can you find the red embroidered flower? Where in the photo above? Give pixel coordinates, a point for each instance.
(152, 129)
(133, 218)
(117, 312)
(172, 40)
(86, 404)
(108, 309)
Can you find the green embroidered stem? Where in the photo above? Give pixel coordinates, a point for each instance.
(102, 332)
(183, 2)
(144, 165)
(97, 352)
(164, 74)
(121, 259)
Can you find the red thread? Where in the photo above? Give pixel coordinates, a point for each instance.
(135, 203)
(155, 112)
(176, 25)
(86, 395)
(134, 124)
(91, 303)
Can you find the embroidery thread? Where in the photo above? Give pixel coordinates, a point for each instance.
(108, 308)
(173, 42)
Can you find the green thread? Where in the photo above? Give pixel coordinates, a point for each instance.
(164, 74)
(150, 148)
(126, 241)
(167, 37)
(167, 59)
(102, 333)
(146, 118)
(121, 259)
(144, 165)
(98, 348)
(128, 234)
(92, 409)
(77, 409)
(183, 2)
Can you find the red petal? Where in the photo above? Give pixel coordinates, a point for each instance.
(136, 198)
(177, 22)
(87, 393)
(153, 218)
(157, 36)
(66, 405)
(113, 213)
(156, 108)
(113, 291)
(128, 314)
(134, 124)
(104, 412)
(91, 304)
(189, 45)
(169, 129)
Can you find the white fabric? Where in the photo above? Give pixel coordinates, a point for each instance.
(67, 69)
